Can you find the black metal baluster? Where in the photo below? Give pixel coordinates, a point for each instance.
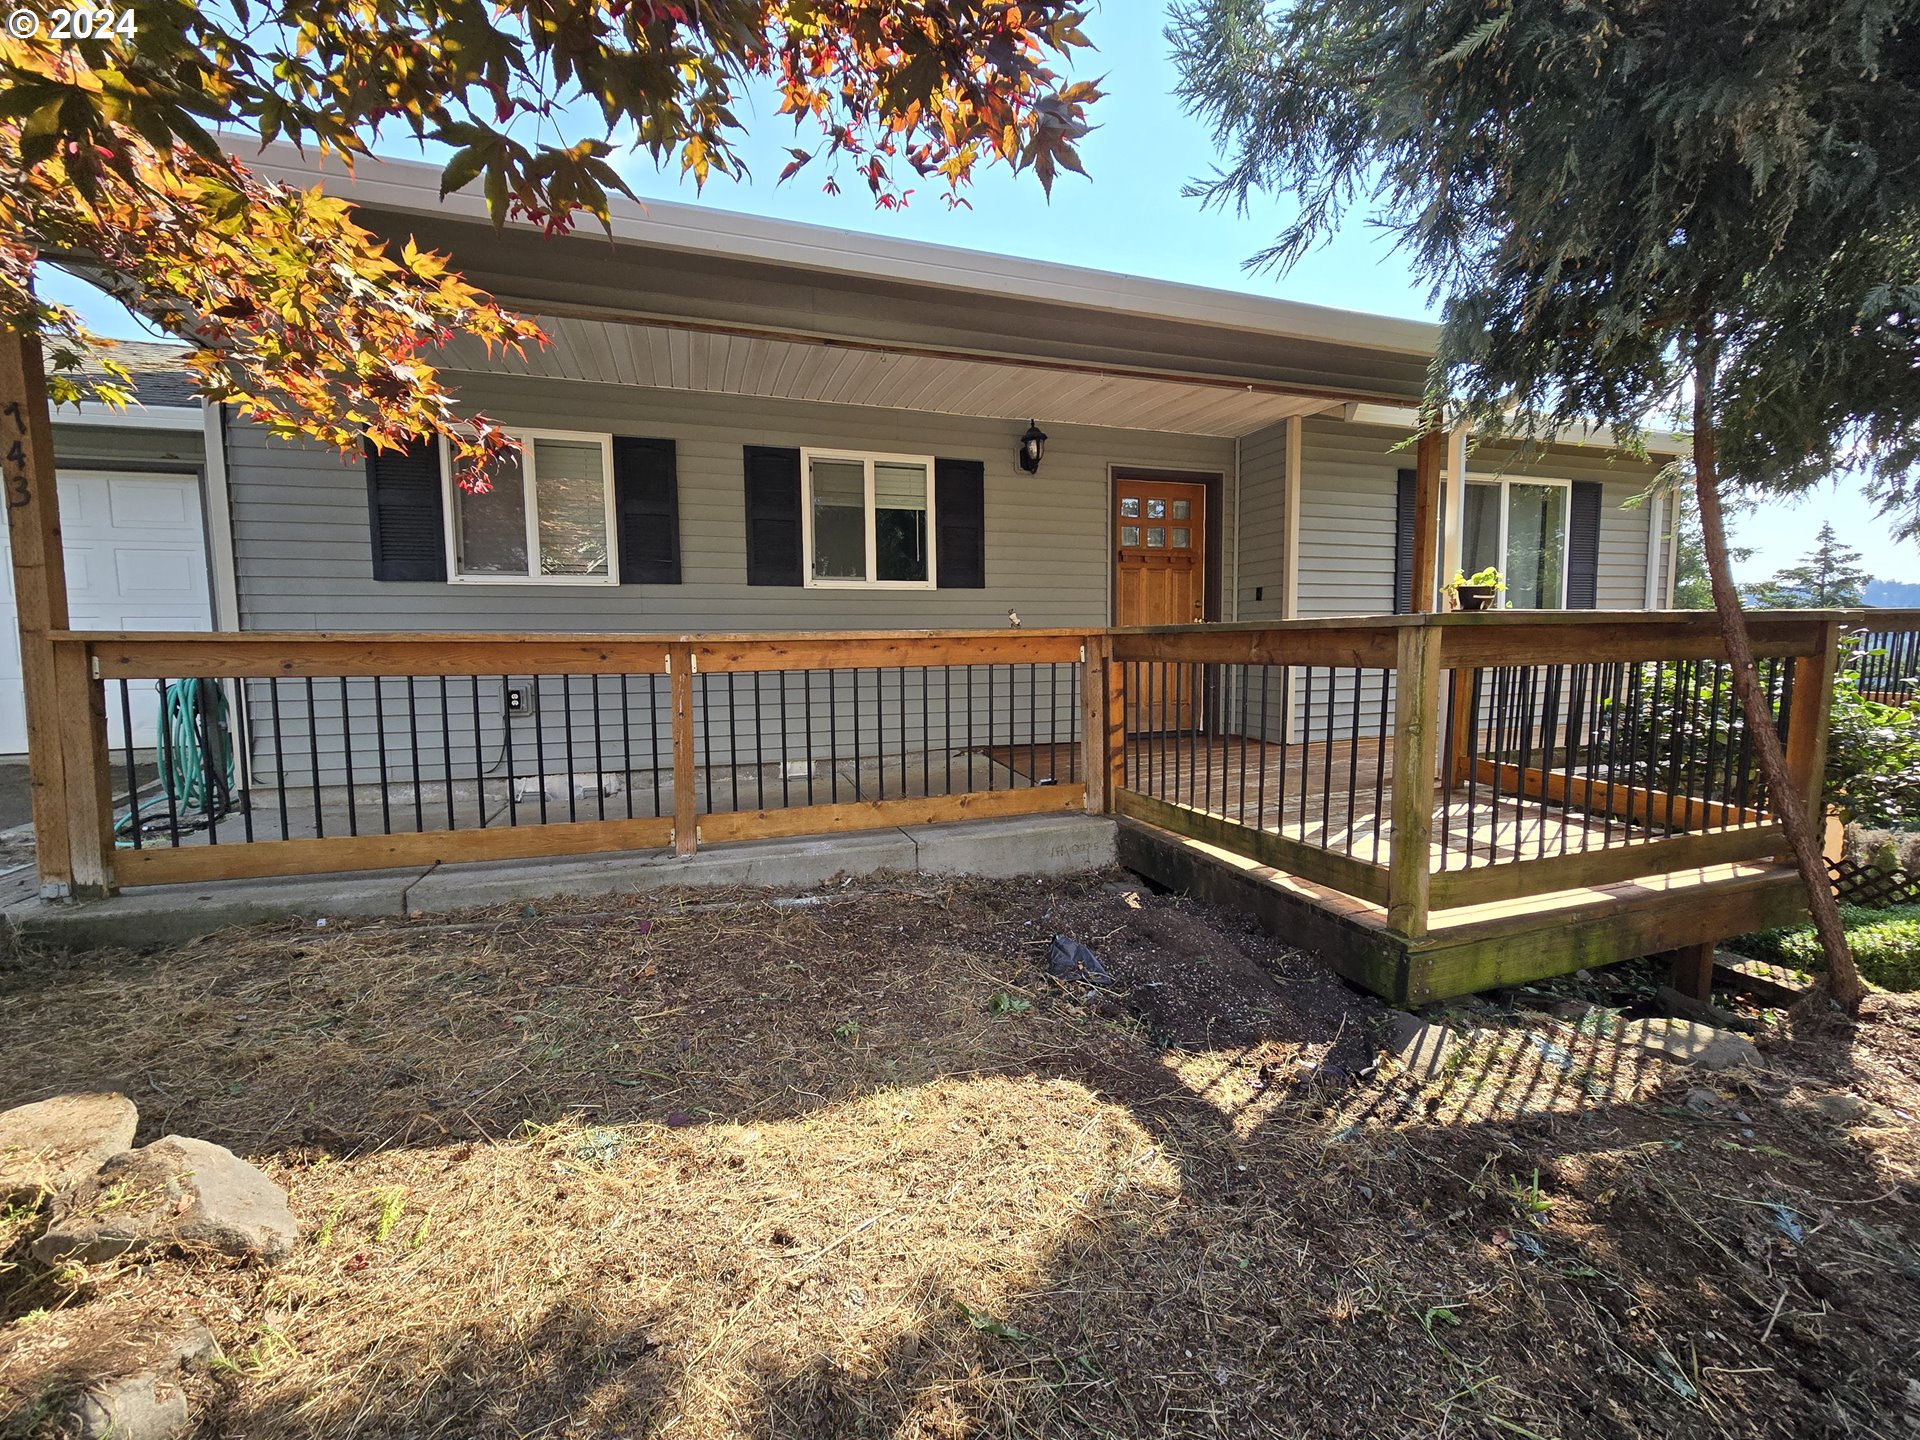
(506, 753)
(1306, 743)
(313, 756)
(566, 726)
(380, 741)
(653, 725)
(1707, 787)
(413, 744)
(1380, 771)
(1353, 759)
(279, 755)
(346, 755)
(706, 738)
(1476, 700)
(626, 745)
(540, 743)
(1260, 813)
(760, 742)
(167, 770)
(133, 771)
(480, 756)
(446, 748)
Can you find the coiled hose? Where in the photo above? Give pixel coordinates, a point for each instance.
(196, 758)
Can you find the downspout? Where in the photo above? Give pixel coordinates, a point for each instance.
(216, 498)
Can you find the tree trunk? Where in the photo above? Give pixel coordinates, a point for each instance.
(1789, 807)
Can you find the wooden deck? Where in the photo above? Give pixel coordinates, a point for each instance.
(1335, 796)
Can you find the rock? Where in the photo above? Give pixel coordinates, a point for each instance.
(1691, 1043)
(175, 1193)
(143, 1400)
(1701, 1100)
(1423, 1048)
(50, 1146)
(1845, 1109)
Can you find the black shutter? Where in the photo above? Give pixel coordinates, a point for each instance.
(1403, 544)
(773, 516)
(960, 524)
(1583, 546)
(646, 511)
(406, 512)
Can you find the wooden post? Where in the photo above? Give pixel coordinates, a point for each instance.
(89, 783)
(1416, 743)
(1094, 736)
(40, 591)
(686, 820)
(1692, 971)
(1428, 453)
(1810, 721)
(1460, 730)
(1116, 722)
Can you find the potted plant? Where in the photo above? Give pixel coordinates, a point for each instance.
(1478, 591)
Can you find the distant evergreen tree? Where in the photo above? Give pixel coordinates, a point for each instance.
(1830, 576)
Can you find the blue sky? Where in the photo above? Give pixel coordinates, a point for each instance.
(1131, 217)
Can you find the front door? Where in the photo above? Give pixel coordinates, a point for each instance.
(1160, 577)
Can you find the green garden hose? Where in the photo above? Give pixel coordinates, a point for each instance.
(195, 753)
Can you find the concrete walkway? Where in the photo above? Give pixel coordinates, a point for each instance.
(165, 914)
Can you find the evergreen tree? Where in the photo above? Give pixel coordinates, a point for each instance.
(1629, 209)
(1829, 576)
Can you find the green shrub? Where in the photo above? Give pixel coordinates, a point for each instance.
(1885, 945)
(1873, 758)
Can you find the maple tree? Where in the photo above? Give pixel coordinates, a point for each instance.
(117, 159)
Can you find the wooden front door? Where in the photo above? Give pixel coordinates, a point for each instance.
(1160, 577)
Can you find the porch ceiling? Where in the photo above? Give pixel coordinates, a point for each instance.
(669, 357)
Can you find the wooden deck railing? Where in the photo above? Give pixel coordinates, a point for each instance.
(1883, 654)
(363, 751)
(1432, 763)
(1413, 763)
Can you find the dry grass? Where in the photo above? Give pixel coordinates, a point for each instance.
(702, 1168)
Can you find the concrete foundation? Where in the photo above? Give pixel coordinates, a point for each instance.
(167, 914)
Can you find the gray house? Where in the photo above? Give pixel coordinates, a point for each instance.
(745, 424)
(752, 425)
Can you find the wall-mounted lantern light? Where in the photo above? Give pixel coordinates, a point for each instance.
(1033, 445)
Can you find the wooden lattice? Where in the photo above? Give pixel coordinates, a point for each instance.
(1856, 882)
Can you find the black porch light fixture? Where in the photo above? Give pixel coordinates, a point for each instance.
(1033, 445)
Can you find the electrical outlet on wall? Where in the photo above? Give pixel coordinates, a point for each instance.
(518, 698)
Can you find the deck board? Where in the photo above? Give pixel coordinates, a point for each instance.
(1324, 794)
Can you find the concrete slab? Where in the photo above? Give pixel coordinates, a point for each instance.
(168, 914)
(788, 864)
(1022, 845)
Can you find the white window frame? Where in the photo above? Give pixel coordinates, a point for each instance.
(529, 486)
(1503, 483)
(867, 459)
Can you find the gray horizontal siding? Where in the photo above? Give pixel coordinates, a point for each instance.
(303, 557)
(1348, 475)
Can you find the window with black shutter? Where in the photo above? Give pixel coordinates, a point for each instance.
(405, 512)
(774, 539)
(1403, 544)
(1583, 546)
(646, 508)
(960, 524)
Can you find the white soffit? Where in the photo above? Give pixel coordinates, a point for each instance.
(665, 357)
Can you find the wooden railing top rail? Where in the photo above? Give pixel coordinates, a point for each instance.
(143, 655)
(1880, 622)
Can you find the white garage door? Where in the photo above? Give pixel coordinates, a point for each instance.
(136, 560)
